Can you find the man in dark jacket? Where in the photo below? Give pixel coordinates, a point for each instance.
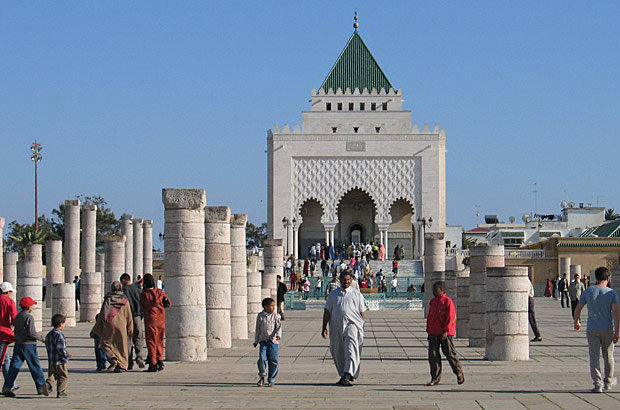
(136, 343)
(280, 296)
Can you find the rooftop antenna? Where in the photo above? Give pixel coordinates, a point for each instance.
(597, 198)
(535, 191)
(477, 214)
(355, 24)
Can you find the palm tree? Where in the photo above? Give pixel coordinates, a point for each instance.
(610, 214)
(28, 237)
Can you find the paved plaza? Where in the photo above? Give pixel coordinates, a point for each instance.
(393, 375)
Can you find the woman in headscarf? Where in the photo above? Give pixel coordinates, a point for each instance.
(153, 302)
(382, 252)
(113, 326)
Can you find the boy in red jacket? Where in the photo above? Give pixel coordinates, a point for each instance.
(441, 327)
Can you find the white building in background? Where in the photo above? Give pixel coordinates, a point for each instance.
(356, 169)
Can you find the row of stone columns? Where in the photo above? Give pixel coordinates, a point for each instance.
(138, 245)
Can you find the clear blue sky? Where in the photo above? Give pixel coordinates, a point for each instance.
(130, 97)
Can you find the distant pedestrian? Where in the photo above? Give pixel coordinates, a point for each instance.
(575, 291)
(280, 296)
(441, 328)
(76, 282)
(531, 315)
(136, 340)
(548, 292)
(58, 357)
(267, 335)
(563, 290)
(603, 317)
(160, 283)
(154, 303)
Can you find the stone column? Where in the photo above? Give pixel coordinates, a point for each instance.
(64, 302)
(218, 276)
(507, 315)
(565, 266)
(184, 245)
(30, 281)
(451, 285)
(10, 270)
(239, 278)
(481, 258)
(89, 237)
(434, 264)
(1, 249)
(72, 239)
(138, 244)
(114, 247)
(90, 295)
(575, 269)
(100, 262)
(273, 255)
(53, 268)
(147, 246)
(127, 230)
(254, 298)
(462, 304)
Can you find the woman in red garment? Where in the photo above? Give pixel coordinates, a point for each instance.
(153, 302)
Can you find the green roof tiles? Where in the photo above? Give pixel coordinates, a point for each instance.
(606, 230)
(356, 68)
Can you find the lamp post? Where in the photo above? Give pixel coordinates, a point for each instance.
(285, 224)
(36, 157)
(424, 222)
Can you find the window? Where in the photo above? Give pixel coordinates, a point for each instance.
(351, 107)
(362, 106)
(339, 106)
(377, 129)
(384, 106)
(328, 106)
(334, 129)
(373, 106)
(356, 129)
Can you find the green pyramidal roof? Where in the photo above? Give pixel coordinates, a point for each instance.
(356, 68)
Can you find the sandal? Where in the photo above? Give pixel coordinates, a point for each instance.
(433, 382)
(270, 385)
(260, 382)
(460, 379)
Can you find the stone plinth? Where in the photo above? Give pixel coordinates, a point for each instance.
(481, 258)
(90, 295)
(462, 304)
(10, 270)
(451, 285)
(1, 249)
(114, 248)
(127, 230)
(72, 239)
(30, 281)
(565, 266)
(507, 314)
(434, 264)
(254, 298)
(89, 237)
(273, 255)
(53, 268)
(138, 248)
(147, 246)
(184, 244)
(218, 276)
(64, 302)
(239, 278)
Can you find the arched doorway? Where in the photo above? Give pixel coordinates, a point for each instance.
(356, 218)
(311, 230)
(401, 231)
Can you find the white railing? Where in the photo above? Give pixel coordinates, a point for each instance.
(457, 252)
(524, 253)
(158, 255)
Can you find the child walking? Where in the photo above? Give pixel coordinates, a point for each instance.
(56, 346)
(25, 349)
(100, 356)
(267, 335)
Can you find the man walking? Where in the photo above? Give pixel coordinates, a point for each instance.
(8, 313)
(602, 304)
(575, 290)
(136, 340)
(344, 312)
(531, 315)
(563, 289)
(280, 296)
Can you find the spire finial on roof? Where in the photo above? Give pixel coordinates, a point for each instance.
(355, 24)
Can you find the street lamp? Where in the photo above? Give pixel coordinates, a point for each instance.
(424, 222)
(36, 157)
(285, 224)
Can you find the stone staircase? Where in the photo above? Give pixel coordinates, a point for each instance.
(406, 268)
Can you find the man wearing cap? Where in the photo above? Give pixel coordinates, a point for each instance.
(25, 349)
(8, 312)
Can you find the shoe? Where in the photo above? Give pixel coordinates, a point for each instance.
(433, 382)
(118, 370)
(8, 394)
(140, 363)
(460, 379)
(536, 339)
(100, 368)
(597, 389)
(152, 368)
(61, 395)
(611, 383)
(347, 383)
(339, 382)
(47, 388)
(260, 382)
(111, 367)
(160, 366)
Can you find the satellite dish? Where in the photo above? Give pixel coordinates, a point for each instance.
(571, 204)
(525, 218)
(564, 204)
(512, 219)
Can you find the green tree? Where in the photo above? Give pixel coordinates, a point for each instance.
(255, 235)
(20, 235)
(610, 214)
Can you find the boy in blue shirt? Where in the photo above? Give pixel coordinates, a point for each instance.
(603, 318)
(57, 355)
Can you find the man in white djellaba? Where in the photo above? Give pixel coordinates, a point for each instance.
(344, 312)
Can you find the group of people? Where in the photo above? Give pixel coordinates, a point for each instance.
(567, 291)
(130, 314)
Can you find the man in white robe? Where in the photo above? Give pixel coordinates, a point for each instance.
(344, 312)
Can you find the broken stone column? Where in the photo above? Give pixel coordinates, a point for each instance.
(451, 286)
(138, 243)
(30, 281)
(114, 247)
(273, 255)
(53, 268)
(72, 239)
(1, 249)
(127, 230)
(239, 278)
(184, 246)
(90, 295)
(218, 275)
(481, 258)
(147, 246)
(89, 237)
(64, 302)
(434, 264)
(507, 314)
(10, 270)
(462, 305)
(565, 266)
(254, 298)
